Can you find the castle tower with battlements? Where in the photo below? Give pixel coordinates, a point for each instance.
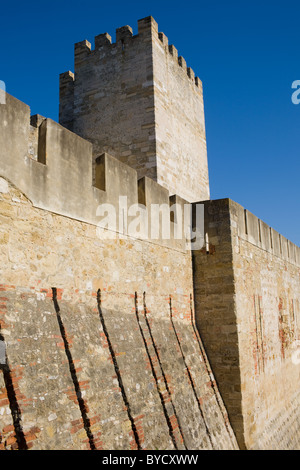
(137, 100)
(112, 338)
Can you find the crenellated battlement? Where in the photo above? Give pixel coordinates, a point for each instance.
(61, 175)
(147, 28)
(260, 234)
(173, 52)
(223, 218)
(57, 171)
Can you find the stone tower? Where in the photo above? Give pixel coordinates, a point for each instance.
(138, 101)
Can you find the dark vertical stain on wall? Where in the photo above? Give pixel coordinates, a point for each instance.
(162, 370)
(117, 370)
(81, 402)
(155, 375)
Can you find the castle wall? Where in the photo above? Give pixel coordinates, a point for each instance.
(247, 309)
(101, 346)
(137, 100)
(110, 371)
(99, 326)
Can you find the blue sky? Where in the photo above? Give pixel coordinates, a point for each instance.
(246, 54)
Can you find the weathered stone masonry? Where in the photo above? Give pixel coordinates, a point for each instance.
(51, 350)
(101, 342)
(103, 336)
(247, 302)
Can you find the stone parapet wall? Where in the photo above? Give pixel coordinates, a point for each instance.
(57, 171)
